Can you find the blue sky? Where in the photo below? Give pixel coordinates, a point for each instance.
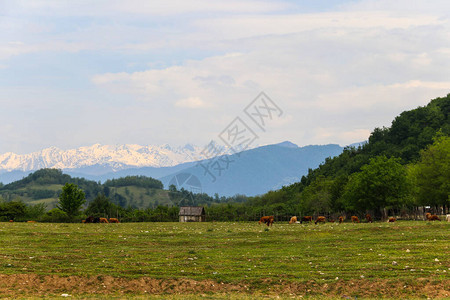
(76, 73)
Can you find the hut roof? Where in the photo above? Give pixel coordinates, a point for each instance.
(192, 211)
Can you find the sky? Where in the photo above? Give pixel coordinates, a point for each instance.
(77, 73)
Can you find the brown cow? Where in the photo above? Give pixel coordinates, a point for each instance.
(341, 219)
(293, 220)
(113, 220)
(428, 216)
(90, 219)
(320, 219)
(369, 218)
(104, 220)
(11, 221)
(391, 220)
(31, 221)
(267, 220)
(434, 218)
(355, 219)
(306, 219)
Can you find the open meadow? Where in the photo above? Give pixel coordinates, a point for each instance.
(406, 259)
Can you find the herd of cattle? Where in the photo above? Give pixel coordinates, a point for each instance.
(91, 219)
(268, 220)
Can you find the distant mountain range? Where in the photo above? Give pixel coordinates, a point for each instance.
(254, 171)
(111, 158)
(250, 172)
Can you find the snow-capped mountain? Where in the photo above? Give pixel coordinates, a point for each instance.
(116, 157)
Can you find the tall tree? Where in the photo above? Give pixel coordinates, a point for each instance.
(432, 174)
(100, 206)
(317, 196)
(71, 199)
(381, 184)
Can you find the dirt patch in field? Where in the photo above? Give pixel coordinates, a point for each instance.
(369, 289)
(27, 285)
(52, 284)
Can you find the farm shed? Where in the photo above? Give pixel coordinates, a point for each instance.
(192, 214)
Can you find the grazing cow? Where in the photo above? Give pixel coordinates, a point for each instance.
(113, 220)
(341, 219)
(266, 220)
(391, 220)
(293, 220)
(320, 219)
(306, 219)
(263, 219)
(104, 220)
(11, 221)
(434, 218)
(355, 219)
(89, 219)
(448, 218)
(369, 218)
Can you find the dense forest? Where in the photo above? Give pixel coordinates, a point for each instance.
(400, 168)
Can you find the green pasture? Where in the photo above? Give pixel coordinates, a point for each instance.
(231, 253)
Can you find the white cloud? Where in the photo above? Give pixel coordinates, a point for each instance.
(260, 25)
(191, 102)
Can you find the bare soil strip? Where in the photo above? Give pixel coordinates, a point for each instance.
(24, 285)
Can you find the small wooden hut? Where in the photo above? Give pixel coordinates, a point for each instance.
(192, 214)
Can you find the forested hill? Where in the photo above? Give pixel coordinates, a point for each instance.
(392, 163)
(409, 133)
(49, 177)
(44, 186)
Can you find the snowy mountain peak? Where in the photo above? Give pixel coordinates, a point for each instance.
(117, 157)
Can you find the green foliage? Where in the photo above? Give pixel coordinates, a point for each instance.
(71, 199)
(140, 181)
(101, 206)
(432, 174)
(12, 210)
(380, 184)
(316, 197)
(35, 212)
(56, 216)
(41, 193)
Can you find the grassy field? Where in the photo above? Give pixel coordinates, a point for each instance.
(409, 259)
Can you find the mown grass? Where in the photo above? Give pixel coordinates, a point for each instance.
(231, 252)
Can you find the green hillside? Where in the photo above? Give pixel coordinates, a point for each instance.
(388, 173)
(44, 186)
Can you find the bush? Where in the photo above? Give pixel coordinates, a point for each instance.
(56, 216)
